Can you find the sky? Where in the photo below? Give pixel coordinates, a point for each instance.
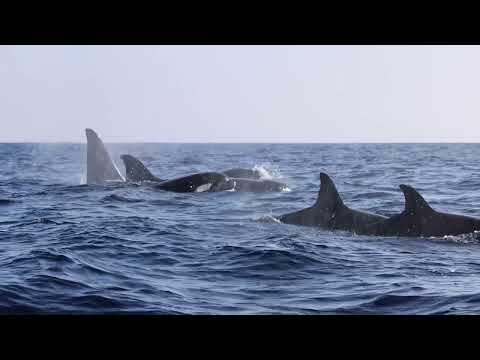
(240, 93)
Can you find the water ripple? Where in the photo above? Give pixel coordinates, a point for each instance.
(67, 247)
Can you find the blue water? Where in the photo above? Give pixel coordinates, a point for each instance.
(67, 247)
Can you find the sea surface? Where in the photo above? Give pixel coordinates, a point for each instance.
(71, 248)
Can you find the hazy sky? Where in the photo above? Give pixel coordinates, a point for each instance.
(240, 93)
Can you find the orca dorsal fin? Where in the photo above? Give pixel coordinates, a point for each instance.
(414, 202)
(136, 171)
(328, 197)
(100, 167)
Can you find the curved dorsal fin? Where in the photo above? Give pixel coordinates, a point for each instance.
(136, 171)
(328, 196)
(100, 167)
(414, 202)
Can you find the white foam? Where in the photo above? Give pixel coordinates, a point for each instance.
(471, 238)
(266, 172)
(269, 219)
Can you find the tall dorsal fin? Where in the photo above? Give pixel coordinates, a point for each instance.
(328, 197)
(100, 167)
(414, 202)
(136, 171)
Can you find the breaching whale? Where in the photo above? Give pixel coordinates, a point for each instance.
(419, 219)
(100, 167)
(136, 171)
(329, 212)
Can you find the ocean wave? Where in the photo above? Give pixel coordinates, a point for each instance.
(121, 248)
(7, 201)
(268, 219)
(246, 259)
(267, 171)
(462, 239)
(120, 198)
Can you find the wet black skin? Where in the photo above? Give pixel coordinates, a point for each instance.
(252, 185)
(329, 212)
(135, 171)
(208, 181)
(201, 182)
(212, 181)
(419, 219)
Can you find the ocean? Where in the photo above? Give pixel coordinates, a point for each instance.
(71, 248)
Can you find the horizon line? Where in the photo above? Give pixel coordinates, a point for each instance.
(247, 142)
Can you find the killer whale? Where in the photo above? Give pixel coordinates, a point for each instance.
(201, 182)
(252, 185)
(136, 171)
(420, 219)
(329, 212)
(100, 167)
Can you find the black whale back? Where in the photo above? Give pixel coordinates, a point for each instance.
(330, 212)
(201, 182)
(420, 219)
